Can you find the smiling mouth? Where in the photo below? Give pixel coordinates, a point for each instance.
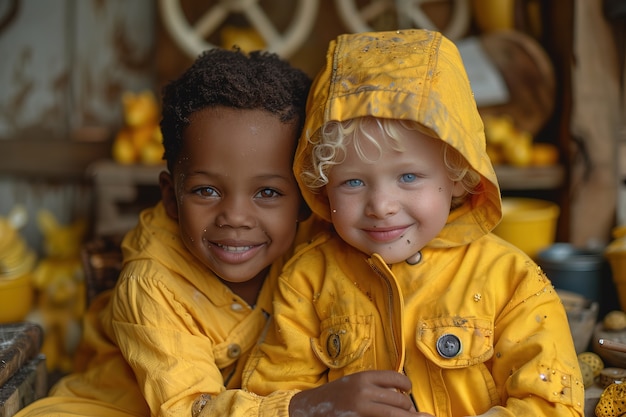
(233, 253)
(235, 249)
(386, 235)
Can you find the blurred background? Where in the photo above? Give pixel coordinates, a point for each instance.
(80, 86)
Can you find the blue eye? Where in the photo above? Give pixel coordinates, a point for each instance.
(408, 177)
(354, 183)
(267, 193)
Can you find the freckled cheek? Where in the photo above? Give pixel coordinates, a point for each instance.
(189, 235)
(192, 229)
(282, 225)
(344, 216)
(426, 211)
(348, 205)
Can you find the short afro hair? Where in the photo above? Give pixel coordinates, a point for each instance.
(231, 78)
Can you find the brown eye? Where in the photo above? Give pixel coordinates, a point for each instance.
(206, 192)
(267, 193)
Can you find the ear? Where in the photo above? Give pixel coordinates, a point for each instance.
(458, 190)
(168, 194)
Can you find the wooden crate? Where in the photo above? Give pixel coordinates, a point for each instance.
(23, 375)
(102, 262)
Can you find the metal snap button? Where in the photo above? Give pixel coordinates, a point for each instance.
(333, 345)
(448, 346)
(236, 307)
(234, 350)
(414, 259)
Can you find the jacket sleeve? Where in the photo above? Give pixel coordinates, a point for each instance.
(243, 403)
(173, 361)
(535, 364)
(285, 358)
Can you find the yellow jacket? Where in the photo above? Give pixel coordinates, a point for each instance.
(476, 325)
(168, 332)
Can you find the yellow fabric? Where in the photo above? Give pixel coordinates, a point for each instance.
(338, 311)
(517, 354)
(166, 333)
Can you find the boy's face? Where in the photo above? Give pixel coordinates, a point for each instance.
(237, 201)
(395, 205)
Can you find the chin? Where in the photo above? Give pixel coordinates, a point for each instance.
(393, 257)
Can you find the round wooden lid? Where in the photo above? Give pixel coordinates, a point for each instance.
(529, 76)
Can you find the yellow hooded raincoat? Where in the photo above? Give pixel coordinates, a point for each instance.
(170, 331)
(476, 325)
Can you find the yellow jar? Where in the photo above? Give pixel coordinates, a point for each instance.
(17, 262)
(616, 255)
(528, 223)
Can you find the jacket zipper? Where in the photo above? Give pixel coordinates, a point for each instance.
(389, 307)
(385, 279)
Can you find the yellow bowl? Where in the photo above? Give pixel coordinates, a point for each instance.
(528, 223)
(16, 298)
(615, 253)
(617, 261)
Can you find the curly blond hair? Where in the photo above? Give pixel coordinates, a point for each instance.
(330, 142)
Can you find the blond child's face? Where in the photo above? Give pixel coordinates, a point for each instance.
(236, 197)
(396, 204)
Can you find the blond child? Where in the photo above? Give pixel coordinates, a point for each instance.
(411, 280)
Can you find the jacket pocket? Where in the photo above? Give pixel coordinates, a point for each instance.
(343, 341)
(455, 342)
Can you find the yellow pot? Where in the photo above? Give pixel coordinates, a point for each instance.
(493, 15)
(496, 15)
(16, 297)
(616, 255)
(529, 224)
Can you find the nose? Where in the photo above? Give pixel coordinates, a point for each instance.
(236, 212)
(381, 204)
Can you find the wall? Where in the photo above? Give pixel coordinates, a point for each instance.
(66, 62)
(64, 66)
(596, 121)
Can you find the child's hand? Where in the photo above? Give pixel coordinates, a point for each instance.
(364, 394)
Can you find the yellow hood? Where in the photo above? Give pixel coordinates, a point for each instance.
(414, 75)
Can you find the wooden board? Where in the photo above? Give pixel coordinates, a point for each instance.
(19, 343)
(529, 76)
(27, 385)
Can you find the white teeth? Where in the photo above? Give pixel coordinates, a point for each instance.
(235, 248)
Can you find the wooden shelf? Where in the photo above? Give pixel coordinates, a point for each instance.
(64, 160)
(530, 178)
(122, 191)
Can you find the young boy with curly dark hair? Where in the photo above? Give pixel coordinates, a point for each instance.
(200, 267)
